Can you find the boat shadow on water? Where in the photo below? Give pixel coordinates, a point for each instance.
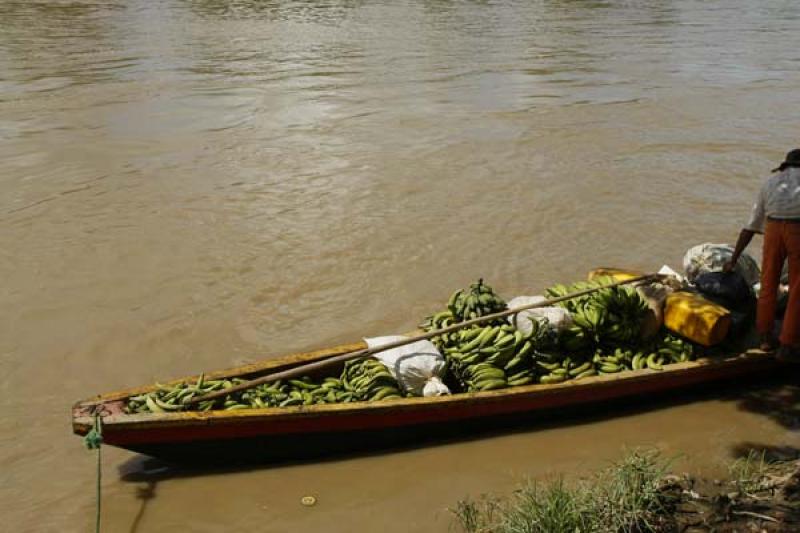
(774, 396)
(779, 400)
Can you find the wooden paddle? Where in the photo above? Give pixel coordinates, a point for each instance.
(304, 369)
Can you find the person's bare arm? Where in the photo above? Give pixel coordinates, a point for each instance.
(745, 236)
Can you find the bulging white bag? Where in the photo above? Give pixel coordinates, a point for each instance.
(710, 257)
(418, 367)
(558, 318)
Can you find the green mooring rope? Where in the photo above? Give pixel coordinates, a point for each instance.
(94, 440)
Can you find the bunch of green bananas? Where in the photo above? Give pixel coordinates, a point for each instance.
(556, 368)
(441, 320)
(663, 350)
(362, 380)
(490, 355)
(503, 348)
(174, 397)
(578, 302)
(464, 304)
(476, 301)
(611, 362)
(369, 380)
(495, 345)
(276, 394)
(303, 391)
(521, 369)
(610, 316)
(482, 377)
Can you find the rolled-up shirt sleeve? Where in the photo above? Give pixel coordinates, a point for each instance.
(758, 216)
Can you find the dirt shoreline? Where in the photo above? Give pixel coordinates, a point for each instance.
(760, 496)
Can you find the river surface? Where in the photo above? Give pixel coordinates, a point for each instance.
(189, 185)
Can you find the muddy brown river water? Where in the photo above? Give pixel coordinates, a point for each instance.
(193, 184)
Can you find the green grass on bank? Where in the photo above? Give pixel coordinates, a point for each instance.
(747, 472)
(624, 497)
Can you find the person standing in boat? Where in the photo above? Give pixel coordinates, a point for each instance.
(776, 214)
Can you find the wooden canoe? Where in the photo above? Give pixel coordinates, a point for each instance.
(264, 435)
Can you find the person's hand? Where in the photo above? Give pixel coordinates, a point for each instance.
(729, 266)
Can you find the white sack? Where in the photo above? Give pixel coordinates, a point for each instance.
(417, 367)
(710, 257)
(558, 318)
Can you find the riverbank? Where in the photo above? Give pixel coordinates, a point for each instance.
(640, 493)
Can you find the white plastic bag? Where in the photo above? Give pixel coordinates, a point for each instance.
(558, 318)
(674, 280)
(417, 367)
(710, 257)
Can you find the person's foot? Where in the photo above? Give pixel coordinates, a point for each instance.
(788, 354)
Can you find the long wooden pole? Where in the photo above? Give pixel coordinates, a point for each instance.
(304, 369)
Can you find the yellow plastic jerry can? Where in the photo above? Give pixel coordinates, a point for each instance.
(618, 274)
(696, 318)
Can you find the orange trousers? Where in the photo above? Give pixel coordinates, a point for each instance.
(781, 242)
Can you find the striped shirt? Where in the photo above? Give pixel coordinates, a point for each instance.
(779, 198)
